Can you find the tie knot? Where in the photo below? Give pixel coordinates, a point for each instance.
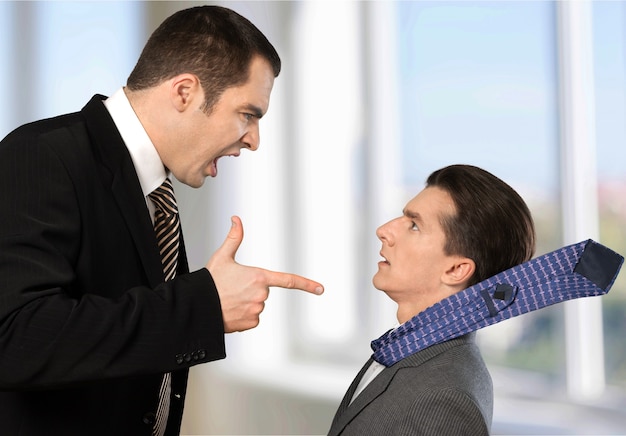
(163, 198)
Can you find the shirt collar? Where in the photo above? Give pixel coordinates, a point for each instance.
(148, 165)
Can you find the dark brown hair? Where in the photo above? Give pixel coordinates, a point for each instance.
(212, 42)
(492, 224)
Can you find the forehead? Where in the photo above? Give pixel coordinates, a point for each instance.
(430, 205)
(256, 90)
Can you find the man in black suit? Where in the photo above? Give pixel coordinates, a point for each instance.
(88, 323)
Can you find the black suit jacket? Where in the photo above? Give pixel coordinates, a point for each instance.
(87, 326)
(444, 389)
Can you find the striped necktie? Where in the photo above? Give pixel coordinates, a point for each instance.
(167, 229)
(166, 226)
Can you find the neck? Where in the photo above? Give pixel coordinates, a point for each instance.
(406, 312)
(408, 309)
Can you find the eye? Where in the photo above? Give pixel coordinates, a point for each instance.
(248, 117)
(414, 226)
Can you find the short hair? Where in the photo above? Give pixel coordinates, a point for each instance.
(212, 42)
(492, 224)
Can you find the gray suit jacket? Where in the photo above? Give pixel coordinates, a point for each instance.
(442, 390)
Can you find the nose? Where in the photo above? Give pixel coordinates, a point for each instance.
(252, 138)
(384, 233)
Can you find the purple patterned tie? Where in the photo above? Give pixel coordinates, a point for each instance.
(580, 270)
(167, 229)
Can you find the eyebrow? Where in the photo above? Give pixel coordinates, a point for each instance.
(255, 110)
(413, 215)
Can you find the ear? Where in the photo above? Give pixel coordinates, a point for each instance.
(183, 90)
(459, 272)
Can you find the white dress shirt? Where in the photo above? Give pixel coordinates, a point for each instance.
(150, 170)
(374, 369)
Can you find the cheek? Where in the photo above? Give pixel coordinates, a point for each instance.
(410, 274)
(417, 268)
(399, 275)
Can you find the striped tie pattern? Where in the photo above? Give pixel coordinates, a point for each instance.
(167, 229)
(166, 226)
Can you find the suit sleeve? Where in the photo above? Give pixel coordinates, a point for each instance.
(54, 333)
(447, 411)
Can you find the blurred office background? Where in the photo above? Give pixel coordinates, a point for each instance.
(373, 97)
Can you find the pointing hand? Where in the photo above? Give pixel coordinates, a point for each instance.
(243, 289)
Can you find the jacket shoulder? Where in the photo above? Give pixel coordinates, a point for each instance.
(33, 132)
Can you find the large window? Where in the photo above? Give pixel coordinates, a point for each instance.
(56, 55)
(480, 87)
(609, 42)
(480, 84)
(408, 88)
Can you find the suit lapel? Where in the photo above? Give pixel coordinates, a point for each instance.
(139, 224)
(111, 151)
(355, 383)
(183, 265)
(347, 412)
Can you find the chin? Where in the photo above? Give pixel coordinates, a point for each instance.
(195, 182)
(377, 284)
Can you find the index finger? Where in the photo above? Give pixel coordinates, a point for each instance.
(292, 281)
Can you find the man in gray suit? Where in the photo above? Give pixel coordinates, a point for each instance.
(464, 227)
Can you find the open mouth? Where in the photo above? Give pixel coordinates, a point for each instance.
(213, 171)
(385, 261)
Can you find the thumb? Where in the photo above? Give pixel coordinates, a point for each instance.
(233, 239)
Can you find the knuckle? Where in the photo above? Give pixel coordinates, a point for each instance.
(290, 282)
(259, 277)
